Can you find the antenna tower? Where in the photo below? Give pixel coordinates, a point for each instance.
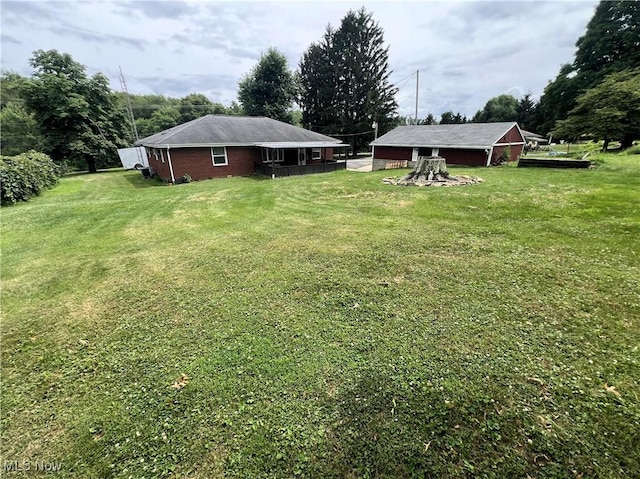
(132, 119)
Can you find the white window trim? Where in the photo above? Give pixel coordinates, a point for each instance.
(226, 159)
(272, 156)
(313, 153)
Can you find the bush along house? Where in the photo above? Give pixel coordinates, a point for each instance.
(219, 146)
(472, 144)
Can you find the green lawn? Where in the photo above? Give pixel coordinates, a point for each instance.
(329, 326)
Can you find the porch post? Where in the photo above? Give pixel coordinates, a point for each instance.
(273, 160)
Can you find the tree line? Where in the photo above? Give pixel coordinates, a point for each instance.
(341, 88)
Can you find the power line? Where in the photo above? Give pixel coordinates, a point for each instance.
(405, 82)
(349, 134)
(406, 78)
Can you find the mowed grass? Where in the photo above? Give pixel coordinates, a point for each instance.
(329, 326)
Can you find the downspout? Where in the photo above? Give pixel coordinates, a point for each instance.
(273, 168)
(489, 156)
(173, 178)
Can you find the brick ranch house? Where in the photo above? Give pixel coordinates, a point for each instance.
(218, 146)
(472, 144)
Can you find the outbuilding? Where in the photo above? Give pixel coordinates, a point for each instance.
(472, 144)
(534, 140)
(218, 146)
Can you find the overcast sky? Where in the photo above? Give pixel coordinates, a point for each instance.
(466, 51)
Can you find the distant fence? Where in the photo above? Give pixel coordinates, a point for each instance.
(552, 163)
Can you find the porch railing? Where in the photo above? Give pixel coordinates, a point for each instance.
(294, 170)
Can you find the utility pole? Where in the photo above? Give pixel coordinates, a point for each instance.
(132, 119)
(417, 83)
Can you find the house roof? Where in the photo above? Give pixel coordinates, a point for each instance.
(467, 135)
(226, 130)
(532, 135)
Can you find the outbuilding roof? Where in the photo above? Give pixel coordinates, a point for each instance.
(532, 135)
(466, 135)
(227, 130)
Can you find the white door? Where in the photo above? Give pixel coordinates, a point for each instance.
(414, 155)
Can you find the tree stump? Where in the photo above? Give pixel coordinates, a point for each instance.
(431, 171)
(428, 168)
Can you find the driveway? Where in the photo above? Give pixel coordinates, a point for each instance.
(361, 164)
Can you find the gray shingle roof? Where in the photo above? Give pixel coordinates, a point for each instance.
(232, 130)
(530, 134)
(467, 135)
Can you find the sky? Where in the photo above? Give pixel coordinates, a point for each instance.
(466, 51)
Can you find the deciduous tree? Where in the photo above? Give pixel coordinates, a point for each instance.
(18, 128)
(269, 88)
(81, 120)
(499, 108)
(196, 105)
(19, 132)
(608, 111)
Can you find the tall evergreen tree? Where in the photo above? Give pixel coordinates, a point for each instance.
(527, 113)
(429, 120)
(318, 85)
(269, 89)
(448, 118)
(81, 119)
(345, 80)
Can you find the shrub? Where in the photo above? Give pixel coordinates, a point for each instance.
(26, 175)
(634, 150)
(505, 157)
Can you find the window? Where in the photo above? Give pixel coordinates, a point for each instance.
(155, 152)
(219, 156)
(316, 153)
(270, 155)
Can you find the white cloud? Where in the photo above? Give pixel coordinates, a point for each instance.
(467, 52)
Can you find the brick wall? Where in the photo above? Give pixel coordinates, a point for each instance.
(159, 168)
(197, 163)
